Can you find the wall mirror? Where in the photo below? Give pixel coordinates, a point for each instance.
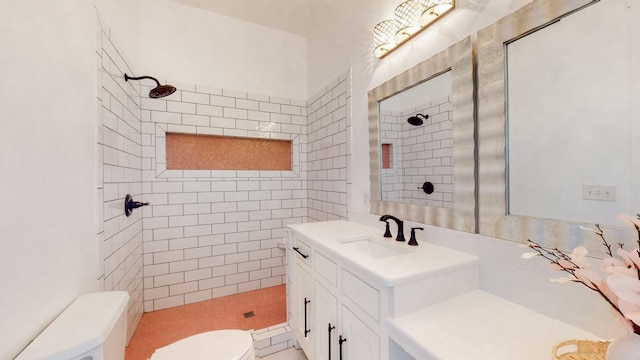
(435, 148)
(556, 122)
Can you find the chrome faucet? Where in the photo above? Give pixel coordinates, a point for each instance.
(400, 224)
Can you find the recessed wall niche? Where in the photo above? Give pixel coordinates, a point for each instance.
(387, 156)
(212, 152)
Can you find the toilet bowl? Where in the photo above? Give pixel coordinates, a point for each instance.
(211, 345)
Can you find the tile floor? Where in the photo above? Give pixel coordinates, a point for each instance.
(162, 327)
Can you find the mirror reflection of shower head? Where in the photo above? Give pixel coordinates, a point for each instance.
(416, 121)
(159, 91)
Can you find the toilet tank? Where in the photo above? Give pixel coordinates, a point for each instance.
(93, 327)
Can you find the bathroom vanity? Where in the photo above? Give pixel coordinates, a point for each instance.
(354, 294)
(346, 279)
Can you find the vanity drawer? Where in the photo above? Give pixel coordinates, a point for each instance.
(326, 268)
(363, 294)
(302, 251)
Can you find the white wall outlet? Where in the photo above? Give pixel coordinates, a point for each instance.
(599, 192)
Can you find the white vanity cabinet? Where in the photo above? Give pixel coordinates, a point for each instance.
(326, 316)
(347, 282)
(329, 329)
(304, 318)
(302, 294)
(362, 343)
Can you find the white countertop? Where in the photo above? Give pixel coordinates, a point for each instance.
(418, 262)
(478, 325)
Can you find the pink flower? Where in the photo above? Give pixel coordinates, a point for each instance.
(611, 262)
(529, 255)
(596, 231)
(577, 260)
(633, 221)
(588, 277)
(627, 289)
(631, 258)
(579, 257)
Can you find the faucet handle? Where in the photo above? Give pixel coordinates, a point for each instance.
(387, 231)
(412, 239)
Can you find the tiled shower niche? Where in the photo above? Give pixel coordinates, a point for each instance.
(209, 152)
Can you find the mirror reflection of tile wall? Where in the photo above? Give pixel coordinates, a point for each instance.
(422, 153)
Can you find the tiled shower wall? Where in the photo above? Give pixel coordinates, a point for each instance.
(391, 178)
(214, 233)
(328, 150)
(119, 173)
(420, 153)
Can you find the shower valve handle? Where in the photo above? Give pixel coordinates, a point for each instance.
(129, 205)
(137, 204)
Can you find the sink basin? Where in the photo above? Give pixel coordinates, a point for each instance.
(374, 248)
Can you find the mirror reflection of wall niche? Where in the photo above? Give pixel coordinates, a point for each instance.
(570, 131)
(421, 152)
(387, 156)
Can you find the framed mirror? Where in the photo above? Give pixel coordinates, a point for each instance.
(437, 148)
(555, 123)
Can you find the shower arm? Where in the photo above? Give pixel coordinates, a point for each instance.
(127, 78)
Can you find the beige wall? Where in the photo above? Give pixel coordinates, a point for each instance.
(49, 251)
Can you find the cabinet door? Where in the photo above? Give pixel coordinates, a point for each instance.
(361, 342)
(326, 322)
(304, 308)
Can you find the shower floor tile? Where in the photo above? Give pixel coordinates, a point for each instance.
(162, 327)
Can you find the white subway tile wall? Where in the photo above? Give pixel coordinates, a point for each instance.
(328, 151)
(215, 233)
(420, 153)
(119, 172)
(272, 339)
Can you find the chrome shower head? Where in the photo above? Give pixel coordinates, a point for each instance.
(159, 91)
(416, 121)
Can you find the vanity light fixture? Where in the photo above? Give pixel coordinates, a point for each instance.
(410, 18)
(384, 37)
(433, 9)
(407, 16)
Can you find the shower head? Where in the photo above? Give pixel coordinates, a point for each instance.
(416, 121)
(159, 91)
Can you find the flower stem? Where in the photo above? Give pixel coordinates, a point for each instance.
(605, 242)
(554, 255)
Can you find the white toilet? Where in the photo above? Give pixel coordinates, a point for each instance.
(93, 327)
(211, 345)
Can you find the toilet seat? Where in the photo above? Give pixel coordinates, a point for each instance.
(211, 345)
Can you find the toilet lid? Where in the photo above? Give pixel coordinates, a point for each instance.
(211, 345)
